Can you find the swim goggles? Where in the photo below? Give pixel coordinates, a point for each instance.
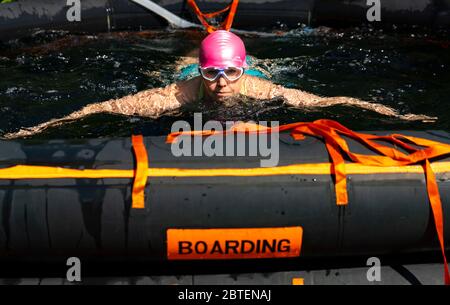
(230, 73)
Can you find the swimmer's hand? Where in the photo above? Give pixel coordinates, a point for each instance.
(30, 131)
(417, 117)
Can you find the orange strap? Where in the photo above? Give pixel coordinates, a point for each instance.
(436, 207)
(226, 24)
(337, 147)
(140, 173)
(17, 172)
(298, 281)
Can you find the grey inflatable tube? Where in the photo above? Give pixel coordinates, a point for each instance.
(386, 214)
(96, 16)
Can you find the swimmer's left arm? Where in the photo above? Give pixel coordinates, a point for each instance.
(259, 88)
(299, 98)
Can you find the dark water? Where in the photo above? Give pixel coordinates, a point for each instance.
(49, 75)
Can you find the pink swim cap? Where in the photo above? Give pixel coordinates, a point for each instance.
(222, 49)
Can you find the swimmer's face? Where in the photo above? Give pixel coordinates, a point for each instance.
(222, 88)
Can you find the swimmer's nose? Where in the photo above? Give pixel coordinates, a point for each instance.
(222, 81)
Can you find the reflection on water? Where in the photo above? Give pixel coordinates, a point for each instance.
(51, 74)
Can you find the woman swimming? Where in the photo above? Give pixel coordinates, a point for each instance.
(222, 63)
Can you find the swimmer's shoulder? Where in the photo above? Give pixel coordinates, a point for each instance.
(180, 92)
(189, 88)
(260, 88)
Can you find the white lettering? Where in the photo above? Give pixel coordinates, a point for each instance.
(213, 144)
(74, 12)
(374, 12)
(74, 272)
(374, 272)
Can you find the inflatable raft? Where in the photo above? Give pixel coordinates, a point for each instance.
(21, 16)
(78, 198)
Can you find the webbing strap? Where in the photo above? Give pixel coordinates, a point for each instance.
(337, 147)
(18, 172)
(436, 207)
(140, 172)
(225, 25)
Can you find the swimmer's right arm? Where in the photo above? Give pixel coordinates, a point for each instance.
(148, 103)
